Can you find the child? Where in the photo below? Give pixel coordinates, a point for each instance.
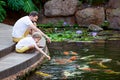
(28, 43)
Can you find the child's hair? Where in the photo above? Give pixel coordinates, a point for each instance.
(36, 35)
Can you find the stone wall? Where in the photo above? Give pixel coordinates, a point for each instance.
(72, 12)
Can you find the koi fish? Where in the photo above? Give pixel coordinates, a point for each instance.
(111, 72)
(102, 60)
(63, 61)
(69, 53)
(70, 74)
(66, 53)
(118, 62)
(87, 68)
(67, 74)
(43, 74)
(92, 62)
(73, 53)
(102, 65)
(87, 57)
(106, 60)
(82, 67)
(73, 58)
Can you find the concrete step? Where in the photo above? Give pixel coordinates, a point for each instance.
(11, 62)
(15, 62)
(6, 43)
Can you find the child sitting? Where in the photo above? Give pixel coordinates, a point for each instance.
(29, 43)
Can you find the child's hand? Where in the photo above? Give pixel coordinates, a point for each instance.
(48, 39)
(48, 57)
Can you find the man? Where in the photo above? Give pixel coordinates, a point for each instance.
(24, 25)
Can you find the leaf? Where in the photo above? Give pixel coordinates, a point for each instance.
(2, 3)
(2, 11)
(15, 4)
(29, 6)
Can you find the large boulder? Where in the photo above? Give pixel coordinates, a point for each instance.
(113, 16)
(114, 3)
(60, 7)
(89, 16)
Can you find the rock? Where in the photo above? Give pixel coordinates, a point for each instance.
(60, 7)
(89, 16)
(114, 3)
(113, 16)
(45, 20)
(93, 27)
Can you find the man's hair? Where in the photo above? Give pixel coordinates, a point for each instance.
(33, 13)
(36, 35)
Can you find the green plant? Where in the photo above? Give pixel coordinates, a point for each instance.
(2, 10)
(105, 24)
(17, 5)
(29, 6)
(59, 24)
(26, 5)
(71, 35)
(61, 36)
(48, 25)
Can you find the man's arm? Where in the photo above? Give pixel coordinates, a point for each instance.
(36, 29)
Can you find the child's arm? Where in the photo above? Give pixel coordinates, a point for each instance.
(40, 50)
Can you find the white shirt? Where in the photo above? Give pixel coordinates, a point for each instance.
(27, 41)
(21, 26)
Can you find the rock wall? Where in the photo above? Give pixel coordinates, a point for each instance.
(60, 7)
(72, 12)
(113, 14)
(89, 16)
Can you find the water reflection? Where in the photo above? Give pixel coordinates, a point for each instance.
(90, 61)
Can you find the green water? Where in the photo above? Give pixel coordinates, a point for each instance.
(109, 50)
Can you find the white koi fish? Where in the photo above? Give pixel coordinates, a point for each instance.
(87, 57)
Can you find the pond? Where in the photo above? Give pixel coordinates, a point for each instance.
(81, 61)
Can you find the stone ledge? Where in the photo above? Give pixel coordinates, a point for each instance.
(14, 62)
(7, 50)
(6, 43)
(38, 60)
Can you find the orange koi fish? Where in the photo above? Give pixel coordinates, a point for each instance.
(73, 58)
(66, 53)
(86, 68)
(69, 53)
(63, 61)
(111, 72)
